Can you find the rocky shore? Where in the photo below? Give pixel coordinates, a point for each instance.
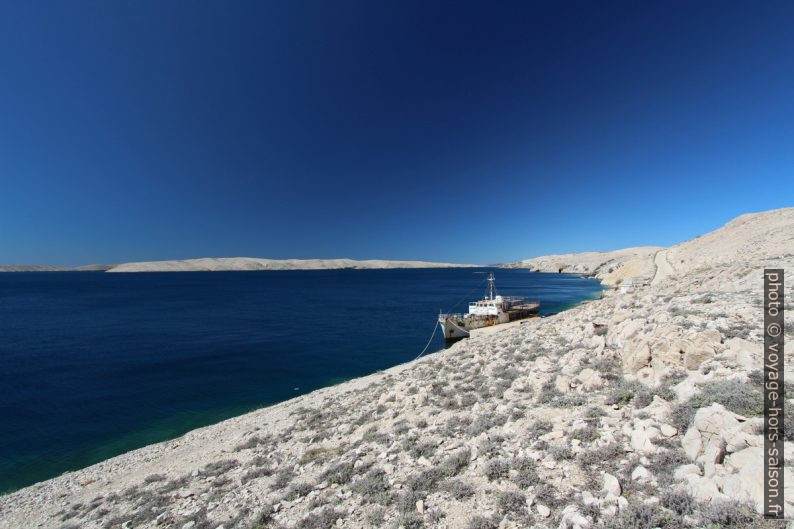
(641, 409)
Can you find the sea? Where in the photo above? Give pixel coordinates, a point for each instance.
(95, 364)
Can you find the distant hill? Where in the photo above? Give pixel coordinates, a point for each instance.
(249, 263)
(48, 268)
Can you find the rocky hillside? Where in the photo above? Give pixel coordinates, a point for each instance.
(250, 263)
(638, 410)
(612, 268)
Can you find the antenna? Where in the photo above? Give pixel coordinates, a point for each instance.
(491, 285)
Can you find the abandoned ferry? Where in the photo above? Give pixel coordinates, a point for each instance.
(493, 309)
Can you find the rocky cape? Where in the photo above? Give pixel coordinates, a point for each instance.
(610, 267)
(250, 263)
(640, 409)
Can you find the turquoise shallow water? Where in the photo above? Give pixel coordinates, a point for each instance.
(98, 364)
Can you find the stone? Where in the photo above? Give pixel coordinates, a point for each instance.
(667, 430)
(635, 356)
(588, 498)
(589, 379)
(641, 474)
(737, 439)
(610, 509)
(691, 443)
(626, 330)
(742, 352)
(642, 439)
(571, 519)
(543, 511)
(695, 355)
(562, 383)
(420, 506)
(703, 489)
(710, 423)
(424, 461)
(611, 485)
(685, 470)
(188, 525)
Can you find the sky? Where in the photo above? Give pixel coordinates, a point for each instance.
(477, 132)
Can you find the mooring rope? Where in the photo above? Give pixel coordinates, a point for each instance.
(428, 342)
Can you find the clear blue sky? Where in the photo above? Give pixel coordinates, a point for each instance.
(458, 131)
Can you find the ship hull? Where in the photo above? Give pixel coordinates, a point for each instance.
(456, 327)
(453, 328)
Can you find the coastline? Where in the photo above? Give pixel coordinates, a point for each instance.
(508, 414)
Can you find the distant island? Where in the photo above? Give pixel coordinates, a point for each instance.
(249, 263)
(54, 268)
(228, 264)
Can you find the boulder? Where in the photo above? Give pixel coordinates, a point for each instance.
(635, 356)
(685, 470)
(589, 379)
(642, 437)
(624, 331)
(744, 353)
(611, 485)
(641, 474)
(732, 458)
(562, 383)
(694, 355)
(659, 408)
(704, 489)
(707, 429)
(668, 430)
(571, 519)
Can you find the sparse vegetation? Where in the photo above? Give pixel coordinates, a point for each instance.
(526, 474)
(512, 502)
(497, 469)
(483, 522)
(603, 454)
(664, 462)
(539, 428)
(560, 452)
(340, 473)
(324, 519)
(456, 462)
(458, 489)
(283, 478)
(736, 396)
(678, 501)
(255, 473)
(373, 486)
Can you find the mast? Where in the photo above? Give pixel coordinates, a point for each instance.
(491, 286)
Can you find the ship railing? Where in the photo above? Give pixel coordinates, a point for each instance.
(451, 315)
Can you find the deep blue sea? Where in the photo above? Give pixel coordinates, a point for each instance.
(93, 364)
